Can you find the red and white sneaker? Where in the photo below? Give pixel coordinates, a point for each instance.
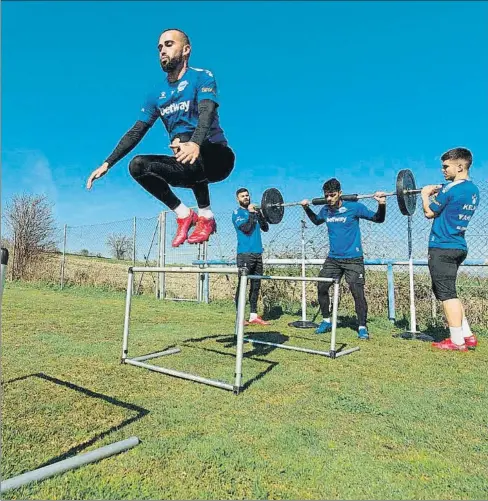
(259, 321)
(471, 341)
(447, 344)
(204, 228)
(184, 224)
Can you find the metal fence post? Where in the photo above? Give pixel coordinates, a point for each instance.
(161, 290)
(206, 280)
(199, 275)
(391, 292)
(134, 232)
(64, 256)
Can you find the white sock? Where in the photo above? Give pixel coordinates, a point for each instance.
(457, 335)
(206, 212)
(326, 320)
(253, 316)
(466, 329)
(182, 211)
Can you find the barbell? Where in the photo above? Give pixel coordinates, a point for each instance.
(273, 207)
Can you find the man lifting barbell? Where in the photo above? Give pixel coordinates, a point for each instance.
(249, 222)
(452, 208)
(345, 249)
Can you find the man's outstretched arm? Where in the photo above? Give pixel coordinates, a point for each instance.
(128, 142)
(316, 220)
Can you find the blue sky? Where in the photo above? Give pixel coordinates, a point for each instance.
(308, 90)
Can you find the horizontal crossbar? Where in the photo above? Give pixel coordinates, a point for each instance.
(184, 375)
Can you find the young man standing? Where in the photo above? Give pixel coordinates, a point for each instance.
(452, 208)
(249, 222)
(345, 249)
(186, 102)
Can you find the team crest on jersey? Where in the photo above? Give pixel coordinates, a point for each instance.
(182, 85)
(162, 96)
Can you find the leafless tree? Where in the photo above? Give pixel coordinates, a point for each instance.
(32, 226)
(119, 245)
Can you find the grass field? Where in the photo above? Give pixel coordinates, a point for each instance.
(396, 420)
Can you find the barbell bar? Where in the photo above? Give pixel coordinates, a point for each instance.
(272, 204)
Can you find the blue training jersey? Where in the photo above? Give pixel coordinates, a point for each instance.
(176, 103)
(343, 227)
(246, 243)
(454, 206)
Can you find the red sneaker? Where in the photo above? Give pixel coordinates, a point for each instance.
(447, 344)
(471, 341)
(259, 321)
(184, 224)
(204, 228)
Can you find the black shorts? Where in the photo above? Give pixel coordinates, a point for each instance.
(443, 267)
(352, 268)
(215, 163)
(252, 261)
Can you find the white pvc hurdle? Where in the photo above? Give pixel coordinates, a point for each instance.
(239, 326)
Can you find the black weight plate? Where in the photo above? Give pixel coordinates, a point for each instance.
(407, 202)
(271, 206)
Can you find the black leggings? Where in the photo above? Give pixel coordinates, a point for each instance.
(156, 173)
(354, 272)
(254, 265)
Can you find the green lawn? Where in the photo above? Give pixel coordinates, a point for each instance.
(395, 420)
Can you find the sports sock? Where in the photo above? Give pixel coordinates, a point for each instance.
(182, 211)
(466, 329)
(457, 335)
(206, 212)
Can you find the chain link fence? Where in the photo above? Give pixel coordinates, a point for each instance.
(98, 256)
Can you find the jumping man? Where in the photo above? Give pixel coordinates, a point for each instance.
(345, 249)
(452, 208)
(186, 101)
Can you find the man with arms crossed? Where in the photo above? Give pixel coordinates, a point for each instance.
(452, 208)
(248, 222)
(345, 249)
(186, 101)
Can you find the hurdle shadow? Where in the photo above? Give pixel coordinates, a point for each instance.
(274, 313)
(230, 341)
(73, 451)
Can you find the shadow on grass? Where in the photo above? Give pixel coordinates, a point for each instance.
(437, 332)
(230, 342)
(141, 412)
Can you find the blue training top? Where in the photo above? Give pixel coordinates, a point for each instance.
(176, 103)
(246, 243)
(454, 207)
(343, 228)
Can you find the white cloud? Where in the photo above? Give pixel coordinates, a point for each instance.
(28, 171)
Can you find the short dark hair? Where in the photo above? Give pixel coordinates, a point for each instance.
(331, 186)
(186, 39)
(241, 190)
(458, 154)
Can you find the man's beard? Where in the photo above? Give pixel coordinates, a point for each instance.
(244, 205)
(171, 64)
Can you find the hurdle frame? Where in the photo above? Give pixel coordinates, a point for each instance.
(243, 277)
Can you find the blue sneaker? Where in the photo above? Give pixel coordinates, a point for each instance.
(363, 333)
(323, 327)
